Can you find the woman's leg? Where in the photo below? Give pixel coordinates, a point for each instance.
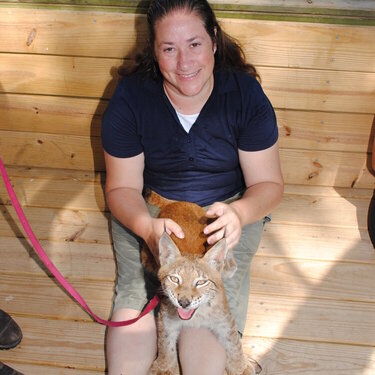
(131, 349)
(200, 352)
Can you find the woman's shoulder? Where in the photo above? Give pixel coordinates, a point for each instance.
(135, 83)
(236, 79)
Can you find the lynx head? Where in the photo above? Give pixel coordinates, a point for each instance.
(192, 281)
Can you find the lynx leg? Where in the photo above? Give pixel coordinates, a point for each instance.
(167, 362)
(237, 364)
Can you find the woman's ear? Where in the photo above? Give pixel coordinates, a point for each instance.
(215, 44)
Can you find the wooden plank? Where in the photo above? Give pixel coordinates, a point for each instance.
(324, 130)
(82, 225)
(58, 224)
(59, 75)
(81, 345)
(319, 90)
(303, 45)
(277, 356)
(274, 277)
(307, 167)
(240, 9)
(326, 168)
(78, 116)
(267, 43)
(311, 319)
(59, 343)
(303, 89)
(278, 240)
(72, 194)
(87, 226)
(46, 299)
(56, 174)
(48, 114)
(31, 369)
(321, 242)
(334, 280)
(91, 177)
(289, 357)
(53, 151)
(322, 211)
(78, 262)
(74, 33)
(330, 4)
(328, 191)
(327, 4)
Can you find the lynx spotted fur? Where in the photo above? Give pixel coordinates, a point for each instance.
(193, 292)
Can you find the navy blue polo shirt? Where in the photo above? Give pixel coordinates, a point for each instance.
(201, 166)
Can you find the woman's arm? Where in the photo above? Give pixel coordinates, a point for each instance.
(123, 191)
(264, 189)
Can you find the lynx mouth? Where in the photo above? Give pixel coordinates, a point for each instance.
(185, 314)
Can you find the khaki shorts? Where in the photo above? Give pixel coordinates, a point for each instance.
(135, 286)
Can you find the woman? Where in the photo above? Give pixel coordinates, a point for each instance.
(192, 123)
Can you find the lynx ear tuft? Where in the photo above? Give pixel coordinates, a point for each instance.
(216, 255)
(221, 258)
(168, 251)
(230, 266)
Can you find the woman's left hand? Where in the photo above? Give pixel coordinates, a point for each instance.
(227, 224)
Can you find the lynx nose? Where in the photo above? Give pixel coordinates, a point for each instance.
(184, 303)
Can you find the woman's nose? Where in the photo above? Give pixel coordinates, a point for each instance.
(184, 60)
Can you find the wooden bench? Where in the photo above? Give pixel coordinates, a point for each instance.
(312, 302)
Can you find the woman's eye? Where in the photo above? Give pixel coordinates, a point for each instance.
(201, 282)
(195, 44)
(168, 50)
(174, 279)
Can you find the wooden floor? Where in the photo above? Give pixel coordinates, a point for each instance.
(312, 302)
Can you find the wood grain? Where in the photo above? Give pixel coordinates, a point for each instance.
(269, 43)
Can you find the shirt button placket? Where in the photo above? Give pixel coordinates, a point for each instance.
(191, 151)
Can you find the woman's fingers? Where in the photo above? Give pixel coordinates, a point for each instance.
(172, 227)
(226, 225)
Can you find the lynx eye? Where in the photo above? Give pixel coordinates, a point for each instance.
(174, 279)
(201, 282)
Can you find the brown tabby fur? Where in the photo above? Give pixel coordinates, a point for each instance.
(191, 275)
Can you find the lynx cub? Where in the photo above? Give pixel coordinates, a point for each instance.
(194, 296)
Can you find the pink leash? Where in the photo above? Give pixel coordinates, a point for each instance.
(51, 267)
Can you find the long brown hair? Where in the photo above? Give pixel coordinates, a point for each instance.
(229, 54)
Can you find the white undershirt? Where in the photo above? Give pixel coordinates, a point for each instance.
(187, 121)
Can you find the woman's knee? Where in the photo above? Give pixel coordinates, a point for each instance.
(131, 349)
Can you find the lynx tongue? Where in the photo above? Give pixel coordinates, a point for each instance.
(185, 314)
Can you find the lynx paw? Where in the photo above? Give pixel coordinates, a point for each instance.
(249, 371)
(156, 370)
(253, 367)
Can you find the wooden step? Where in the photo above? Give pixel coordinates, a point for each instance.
(287, 88)
(310, 130)
(290, 357)
(264, 42)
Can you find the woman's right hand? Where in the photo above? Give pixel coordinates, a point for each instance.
(157, 228)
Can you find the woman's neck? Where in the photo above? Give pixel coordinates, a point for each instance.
(188, 105)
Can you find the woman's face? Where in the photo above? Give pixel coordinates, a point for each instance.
(185, 54)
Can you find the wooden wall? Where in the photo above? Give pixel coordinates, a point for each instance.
(58, 68)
